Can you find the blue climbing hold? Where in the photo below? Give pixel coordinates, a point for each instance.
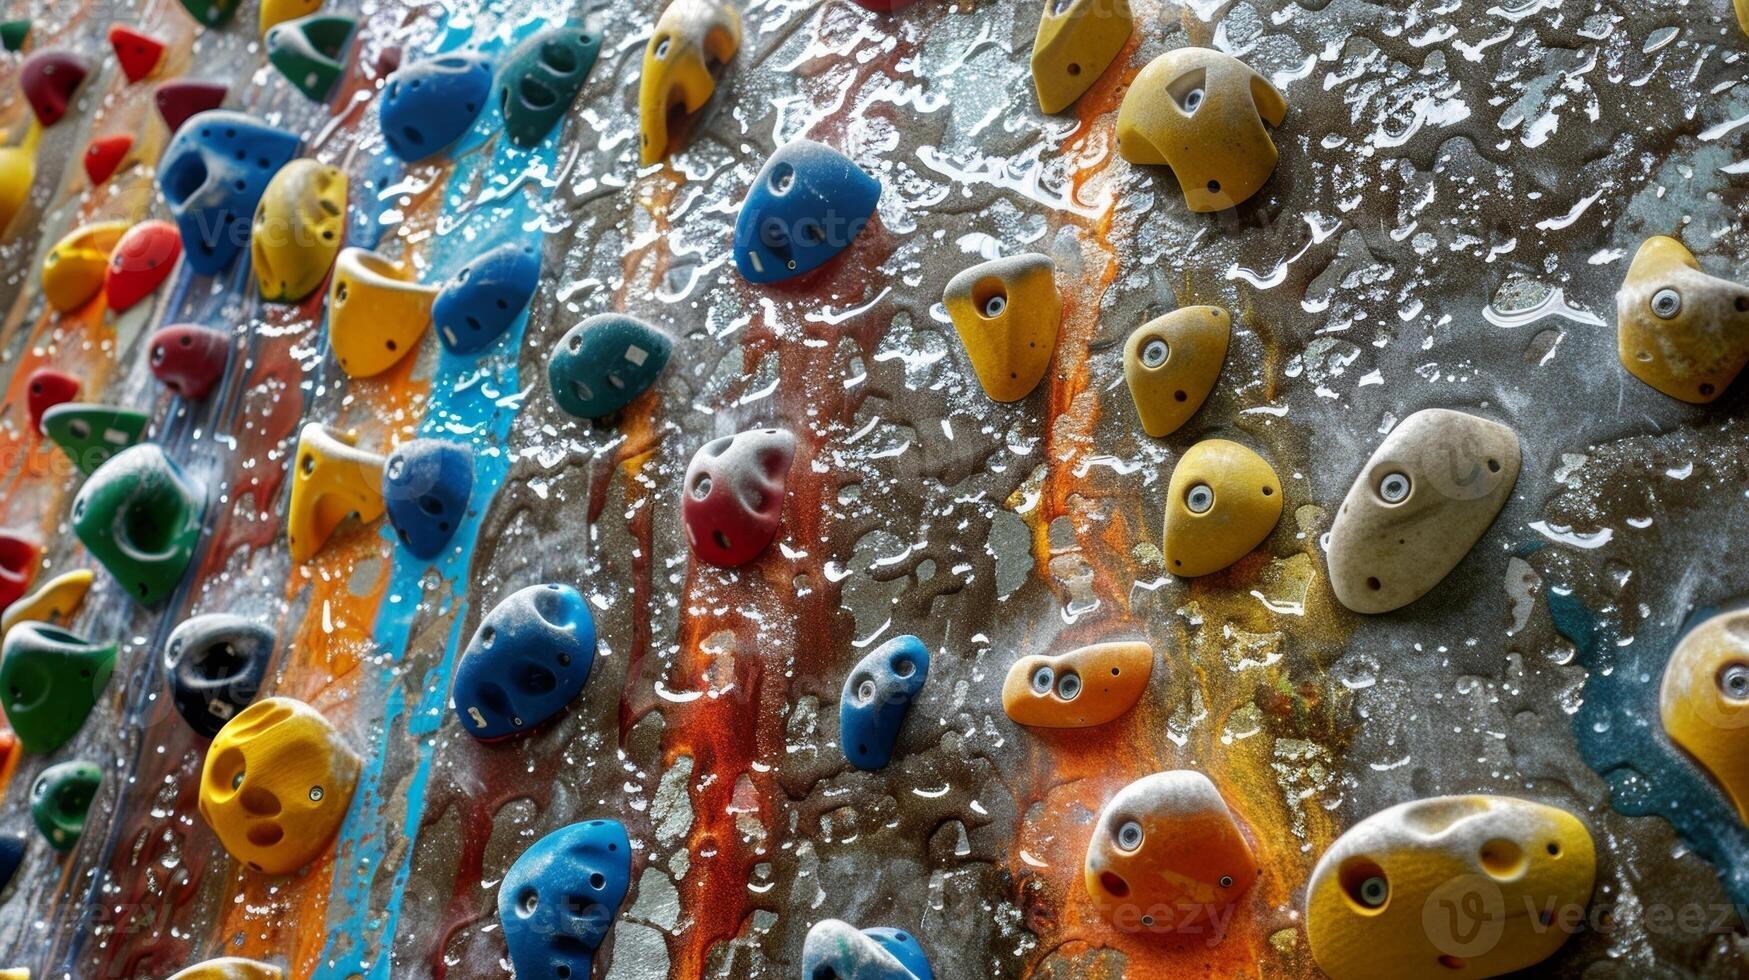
(481, 301)
(529, 657)
(212, 175)
(877, 695)
(431, 103)
(217, 663)
(601, 364)
(426, 485)
(836, 949)
(560, 898)
(804, 208)
(11, 856)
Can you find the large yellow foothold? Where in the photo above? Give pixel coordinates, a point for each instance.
(376, 312)
(1222, 501)
(1077, 40)
(279, 11)
(73, 270)
(1454, 886)
(1704, 701)
(694, 39)
(1007, 312)
(1171, 363)
(298, 228)
(1678, 329)
(54, 602)
(1087, 686)
(1201, 112)
(17, 171)
(332, 479)
(276, 784)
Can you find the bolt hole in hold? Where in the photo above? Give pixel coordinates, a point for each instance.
(990, 298)
(904, 667)
(1554, 849)
(1666, 303)
(529, 902)
(783, 177)
(1154, 354)
(1734, 681)
(1502, 859)
(1043, 679)
(1394, 488)
(1114, 884)
(1373, 583)
(1074, 69)
(1199, 498)
(865, 690)
(721, 539)
(1365, 884)
(1129, 836)
(1069, 686)
(702, 488)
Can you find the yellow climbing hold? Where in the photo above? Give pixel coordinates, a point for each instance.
(376, 312)
(17, 171)
(694, 39)
(1222, 501)
(299, 225)
(1678, 329)
(1704, 701)
(332, 479)
(73, 270)
(279, 11)
(1007, 312)
(1077, 40)
(54, 602)
(1171, 364)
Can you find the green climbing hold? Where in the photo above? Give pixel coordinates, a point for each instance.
(540, 79)
(50, 680)
(212, 13)
(140, 516)
(311, 52)
(90, 434)
(13, 33)
(59, 800)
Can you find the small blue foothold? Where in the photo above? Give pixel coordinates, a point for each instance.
(481, 301)
(837, 950)
(905, 948)
(805, 207)
(560, 898)
(11, 856)
(212, 176)
(877, 695)
(600, 365)
(529, 657)
(431, 103)
(426, 485)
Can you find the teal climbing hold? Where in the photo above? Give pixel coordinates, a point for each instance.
(59, 800)
(540, 79)
(311, 52)
(140, 516)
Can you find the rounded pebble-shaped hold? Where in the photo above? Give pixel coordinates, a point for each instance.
(1222, 501)
(430, 104)
(12, 848)
(139, 54)
(13, 33)
(877, 696)
(1703, 701)
(231, 968)
(332, 479)
(140, 517)
(48, 79)
(837, 950)
(47, 388)
(213, 174)
(50, 680)
(1472, 886)
(480, 302)
(142, 259)
(1201, 112)
(376, 312)
(808, 203)
(54, 602)
(1007, 312)
(528, 658)
(275, 12)
(1171, 364)
(558, 901)
(1077, 40)
(18, 561)
(540, 78)
(1419, 505)
(1680, 330)
(189, 359)
(692, 42)
(734, 491)
(604, 363)
(217, 663)
(61, 798)
(104, 155)
(1087, 686)
(311, 52)
(426, 486)
(92, 434)
(73, 270)
(299, 225)
(181, 99)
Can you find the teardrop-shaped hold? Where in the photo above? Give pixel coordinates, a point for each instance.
(50, 680)
(73, 270)
(480, 302)
(558, 901)
(299, 227)
(1704, 701)
(276, 784)
(376, 312)
(139, 54)
(90, 434)
(189, 359)
(140, 517)
(213, 175)
(332, 480)
(693, 40)
(181, 99)
(734, 495)
(877, 696)
(217, 663)
(13, 34)
(19, 555)
(231, 968)
(46, 389)
(104, 156)
(1201, 112)
(48, 79)
(17, 171)
(274, 12)
(426, 486)
(212, 13)
(1473, 886)
(61, 798)
(528, 658)
(540, 78)
(1680, 330)
(602, 364)
(1419, 505)
(1077, 40)
(311, 52)
(1172, 362)
(838, 950)
(12, 848)
(1167, 856)
(805, 207)
(1222, 501)
(54, 603)
(1087, 686)
(141, 261)
(430, 104)
(1007, 312)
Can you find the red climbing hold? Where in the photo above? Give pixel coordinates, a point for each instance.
(138, 53)
(49, 79)
(190, 359)
(183, 97)
(104, 154)
(18, 557)
(883, 5)
(142, 259)
(734, 495)
(46, 389)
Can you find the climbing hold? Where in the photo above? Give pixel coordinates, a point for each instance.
(211, 13)
(104, 156)
(429, 104)
(213, 174)
(560, 898)
(13, 34)
(837, 950)
(376, 312)
(217, 663)
(298, 228)
(481, 301)
(54, 602)
(1167, 857)
(1704, 700)
(1087, 686)
(1477, 886)
(181, 99)
(139, 54)
(1680, 330)
(141, 260)
(1171, 363)
(50, 680)
(1743, 15)
(1201, 112)
(1222, 501)
(1418, 506)
(12, 846)
(49, 79)
(539, 80)
(426, 485)
(528, 658)
(60, 799)
(884, 6)
(140, 517)
(90, 434)
(1077, 40)
(1007, 312)
(734, 495)
(18, 558)
(231, 968)
(48, 388)
(73, 269)
(274, 12)
(693, 40)
(277, 781)
(311, 52)
(806, 206)
(877, 695)
(190, 359)
(331, 480)
(602, 364)
(17, 171)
